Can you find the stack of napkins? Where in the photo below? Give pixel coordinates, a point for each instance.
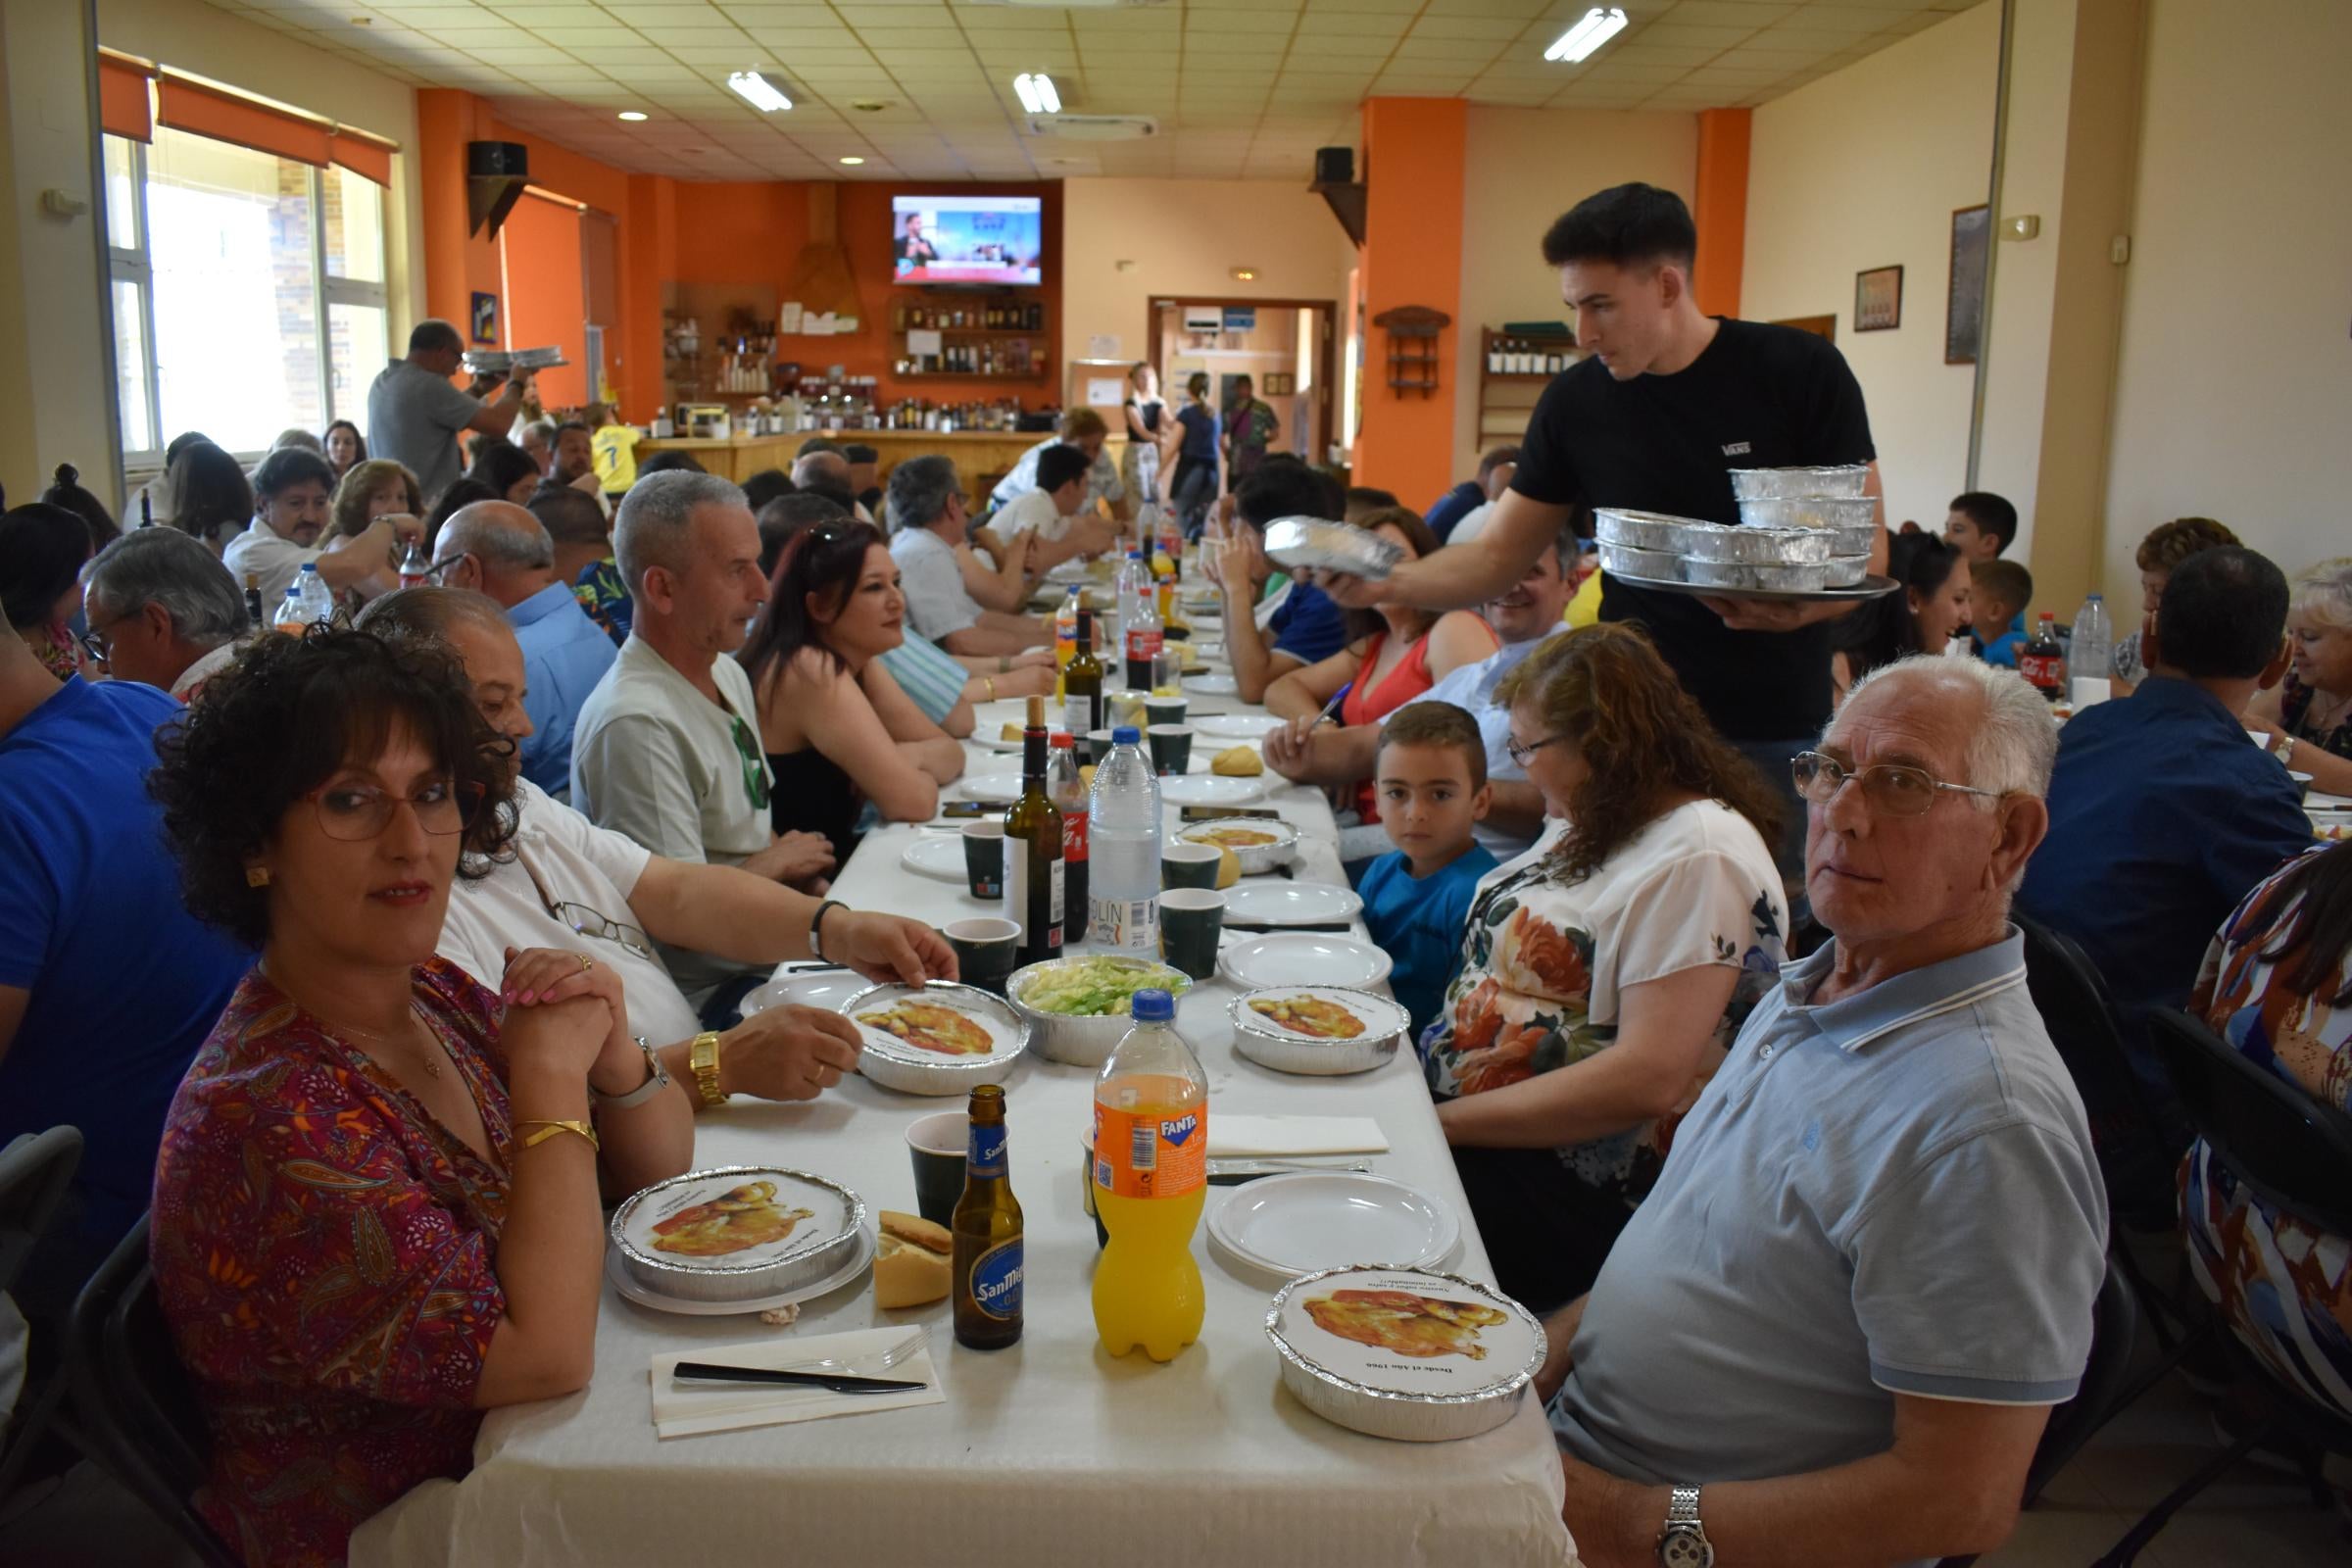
(1285, 1137)
(688, 1409)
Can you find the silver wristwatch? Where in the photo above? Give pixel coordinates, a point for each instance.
(1684, 1542)
(657, 1079)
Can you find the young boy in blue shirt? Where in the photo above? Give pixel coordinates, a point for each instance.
(1998, 592)
(1430, 777)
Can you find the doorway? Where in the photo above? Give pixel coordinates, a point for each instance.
(1286, 347)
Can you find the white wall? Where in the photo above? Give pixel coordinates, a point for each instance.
(1862, 169)
(2235, 383)
(1521, 168)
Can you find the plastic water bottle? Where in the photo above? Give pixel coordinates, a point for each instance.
(1151, 1175)
(289, 612)
(1123, 850)
(317, 600)
(2091, 651)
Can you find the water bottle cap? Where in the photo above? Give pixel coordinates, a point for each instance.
(1126, 735)
(1153, 1006)
(309, 566)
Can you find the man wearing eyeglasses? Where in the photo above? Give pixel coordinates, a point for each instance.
(568, 879)
(1834, 1329)
(162, 609)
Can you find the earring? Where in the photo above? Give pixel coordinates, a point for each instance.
(257, 876)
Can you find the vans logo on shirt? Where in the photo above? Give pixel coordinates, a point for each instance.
(1737, 449)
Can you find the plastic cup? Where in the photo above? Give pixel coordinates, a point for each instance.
(1127, 707)
(985, 950)
(938, 1145)
(1171, 748)
(1190, 920)
(1097, 746)
(1165, 710)
(984, 859)
(1184, 865)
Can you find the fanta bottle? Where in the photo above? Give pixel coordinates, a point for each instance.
(1150, 1177)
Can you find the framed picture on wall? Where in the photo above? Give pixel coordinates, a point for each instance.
(1879, 299)
(1964, 301)
(485, 319)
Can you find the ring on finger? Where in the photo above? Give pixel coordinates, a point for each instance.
(586, 963)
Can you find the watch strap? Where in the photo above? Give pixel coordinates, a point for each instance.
(657, 1079)
(1682, 1543)
(703, 1057)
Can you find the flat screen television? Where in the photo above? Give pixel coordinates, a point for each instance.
(986, 241)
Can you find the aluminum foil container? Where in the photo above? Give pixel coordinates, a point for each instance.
(737, 1232)
(1807, 578)
(1083, 1041)
(1405, 1354)
(1847, 571)
(921, 1041)
(1853, 538)
(1624, 560)
(1761, 546)
(1809, 511)
(1643, 530)
(1759, 484)
(1267, 1029)
(1259, 844)
(1302, 543)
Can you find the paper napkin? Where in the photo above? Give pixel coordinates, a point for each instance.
(688, 1409)
(1274, 1136)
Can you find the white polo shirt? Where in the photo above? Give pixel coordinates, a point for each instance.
(936, 600)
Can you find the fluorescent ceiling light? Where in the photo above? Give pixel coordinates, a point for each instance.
(758, 91)
(853, 161)
(632, 114)
(1598, 28)
(1037, 94)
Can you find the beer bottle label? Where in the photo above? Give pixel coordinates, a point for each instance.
(996, 1282)
(985, 1156)
(1145, 1154)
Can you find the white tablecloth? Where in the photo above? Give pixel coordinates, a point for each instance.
(1050, 1452)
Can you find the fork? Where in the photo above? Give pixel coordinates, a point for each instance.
(863, 1365)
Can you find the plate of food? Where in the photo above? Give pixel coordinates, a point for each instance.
(1238, 726)
(1305, 1221)
(938, 1039)
(727, 1237)
(1304, 958)
(1276, 903)
(1318, 1030)
(1259, 844)
(936, 854)
(1008, 737)
(1078, 1007)
(1211, 788)
(1411, 1355)
(1213, 685)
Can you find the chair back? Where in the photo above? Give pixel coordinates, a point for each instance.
(2291, 1151)
(36, 1170)
(134, 1401)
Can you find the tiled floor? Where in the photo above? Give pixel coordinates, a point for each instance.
(2255, 1517)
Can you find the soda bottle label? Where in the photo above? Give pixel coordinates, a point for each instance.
(1145, 1154)
(1073, 838)
(997, 1280)
(2040, 670)
(1142, 643)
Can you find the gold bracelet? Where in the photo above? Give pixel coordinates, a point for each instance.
(991, 684)
(549, 1129)
(703, 1057)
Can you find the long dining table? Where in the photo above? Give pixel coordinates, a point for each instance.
(1052, 1452)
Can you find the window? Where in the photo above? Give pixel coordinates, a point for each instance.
(248, 291)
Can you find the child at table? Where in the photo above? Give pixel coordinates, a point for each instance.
(1997, 595)
(1431, 776)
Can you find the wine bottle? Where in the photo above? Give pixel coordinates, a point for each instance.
(1033, 889)
(1081, 683)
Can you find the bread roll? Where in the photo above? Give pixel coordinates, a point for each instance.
(1239, 761)
(1229, 867)
(911, 1261)
(1010, 732)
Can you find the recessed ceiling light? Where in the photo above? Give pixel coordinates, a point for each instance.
(1037, 94)
(853, 161)
(1245, 275)
(758, 91)
(632, 114)
(1596, 27)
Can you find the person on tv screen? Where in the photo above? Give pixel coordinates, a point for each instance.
(915, 246)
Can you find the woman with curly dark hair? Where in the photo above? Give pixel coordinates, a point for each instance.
(1604, 973)
(377, 1206)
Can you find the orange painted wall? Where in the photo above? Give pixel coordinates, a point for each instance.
(1413, 254)
(1721, 210)
(545, 297)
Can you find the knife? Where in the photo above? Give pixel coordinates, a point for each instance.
(711, 1372)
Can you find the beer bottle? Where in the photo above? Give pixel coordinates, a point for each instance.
(254, 619)
(1033, 871)
(987, 1228)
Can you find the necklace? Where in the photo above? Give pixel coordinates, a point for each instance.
(431, 1058)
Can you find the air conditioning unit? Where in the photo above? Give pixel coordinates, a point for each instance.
(1094, 127)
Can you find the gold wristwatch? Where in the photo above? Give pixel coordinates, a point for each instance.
(703, 1057)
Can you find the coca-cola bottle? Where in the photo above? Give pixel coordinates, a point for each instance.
(2042, 661)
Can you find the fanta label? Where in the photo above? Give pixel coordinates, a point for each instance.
(997, 1281)
(1145, 1154)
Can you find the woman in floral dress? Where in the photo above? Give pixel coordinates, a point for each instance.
(1605, 972)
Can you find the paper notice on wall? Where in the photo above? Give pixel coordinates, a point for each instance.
(1105, 391)
(922, 340)
(1102, 346)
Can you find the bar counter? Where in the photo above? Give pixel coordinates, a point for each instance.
(978, 454)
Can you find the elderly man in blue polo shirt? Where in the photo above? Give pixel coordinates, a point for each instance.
(1834, 1330)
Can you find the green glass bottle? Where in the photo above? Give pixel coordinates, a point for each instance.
(1033, 889)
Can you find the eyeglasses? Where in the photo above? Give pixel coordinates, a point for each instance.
(1895, 787)
(754, 765)
(1523, 751)
(357, 812)
(586, 921)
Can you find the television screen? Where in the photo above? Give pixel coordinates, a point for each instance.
(966, 239)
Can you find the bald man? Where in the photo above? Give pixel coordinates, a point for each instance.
(498, 549)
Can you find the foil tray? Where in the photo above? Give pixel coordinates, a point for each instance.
(1641, 530)
(894, 1063)
(1256, 860)
(1847, 571)
(1285, 1050)
(1809, 511)
(1763, 485)
(1464, 1380)
(1759, 546)
(1782, 578)
(1624, 560)
(821, 1242)
(1299, 544)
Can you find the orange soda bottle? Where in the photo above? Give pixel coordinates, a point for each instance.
(1150, 1178)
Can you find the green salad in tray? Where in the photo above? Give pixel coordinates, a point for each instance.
(1096, 988)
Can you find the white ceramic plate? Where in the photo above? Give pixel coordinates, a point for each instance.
(848, 1273)
(824, 988)
(1208, 789)
(1307, 1221)
(937, 854)
(1238, 726)
(1213, 685)
(995, 743)
(1302, 959)
(1290, 904)
(992, 789)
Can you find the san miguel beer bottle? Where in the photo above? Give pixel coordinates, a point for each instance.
(987, 1228)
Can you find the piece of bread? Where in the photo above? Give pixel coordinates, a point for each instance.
(1229, 867)
(911, 1261)
(1010, 732)
(1239, 761)
(1086, 776)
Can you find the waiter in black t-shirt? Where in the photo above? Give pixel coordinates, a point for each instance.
(1666, 402)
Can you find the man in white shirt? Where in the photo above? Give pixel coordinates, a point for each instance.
(1084, 429)
(566, 878)
(667, 747)
(414, 415)
(1050, 512)
(164, 609)
(1309, 752)
(926, 506)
